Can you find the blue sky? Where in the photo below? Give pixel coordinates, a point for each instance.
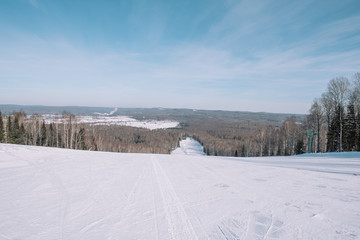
(252, 55)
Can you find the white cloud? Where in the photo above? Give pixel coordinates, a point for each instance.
(34, 3)
(207, 75)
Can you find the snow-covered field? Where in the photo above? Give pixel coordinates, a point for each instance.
(48, 193)
(115, 120)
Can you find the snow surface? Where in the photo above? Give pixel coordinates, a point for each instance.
(189, 146)
(49, 193)
(115, 120)
(107, 114)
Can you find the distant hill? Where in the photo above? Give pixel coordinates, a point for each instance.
(183, 115)
(32, 109)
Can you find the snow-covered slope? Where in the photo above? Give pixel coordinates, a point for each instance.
(189, 147)
(48, 193)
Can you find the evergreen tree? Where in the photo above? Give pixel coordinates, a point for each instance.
(59, 141)
(334, 131)
(43, 136)
(357, 138)
(349, 140)
(28, 138)
(299, 147)
(266, 150)
(82, 139)
(2, 135)
(38, 140)
(338, 89)
(332, 136)
(9, 131)
(16, 130)
(22, 134)
(52, 136)
(243, 151)
(94, 146)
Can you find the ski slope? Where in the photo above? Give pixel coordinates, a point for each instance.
(189, 146)
(48, 193)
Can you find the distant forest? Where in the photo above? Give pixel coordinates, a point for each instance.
(333, 124)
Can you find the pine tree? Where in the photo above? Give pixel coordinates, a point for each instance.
(349, 140)
(22, 134)
(43, 136)
(38, 140)
(332, 135)
(52, 136)
(243, 151)
(338, 89)
(357, 138)
(266, 149)
(299, 147)
(82, 139)
(16, 130)
(59, 141)
(2, 135)
(334, 132)
(94, 146)
(9, 131)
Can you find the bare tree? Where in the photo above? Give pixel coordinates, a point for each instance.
(338, 89)
(355, 99)
(261, 140)
(356, 91)
(316, 115)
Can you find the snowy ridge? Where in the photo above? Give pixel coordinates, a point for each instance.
(116, 120)
(50, 193)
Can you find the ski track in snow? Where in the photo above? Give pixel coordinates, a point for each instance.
(179, 225)
(51, 193)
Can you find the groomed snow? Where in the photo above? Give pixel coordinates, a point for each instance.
(49, 193)
(189, 146)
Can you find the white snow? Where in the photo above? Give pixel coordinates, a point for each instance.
(107, 114)
(48, 193)
(116, 120)
(189, 146)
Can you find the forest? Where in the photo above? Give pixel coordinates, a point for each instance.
(333, 124)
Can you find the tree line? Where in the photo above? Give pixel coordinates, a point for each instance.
(333, 124)
(249, 139)
(66, 132)
(18, 129)
(335, 116)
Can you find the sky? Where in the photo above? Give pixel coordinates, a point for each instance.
(241, 55)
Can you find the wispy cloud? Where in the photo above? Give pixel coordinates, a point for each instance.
(260, 56)
(34, 3)
(208, 74)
